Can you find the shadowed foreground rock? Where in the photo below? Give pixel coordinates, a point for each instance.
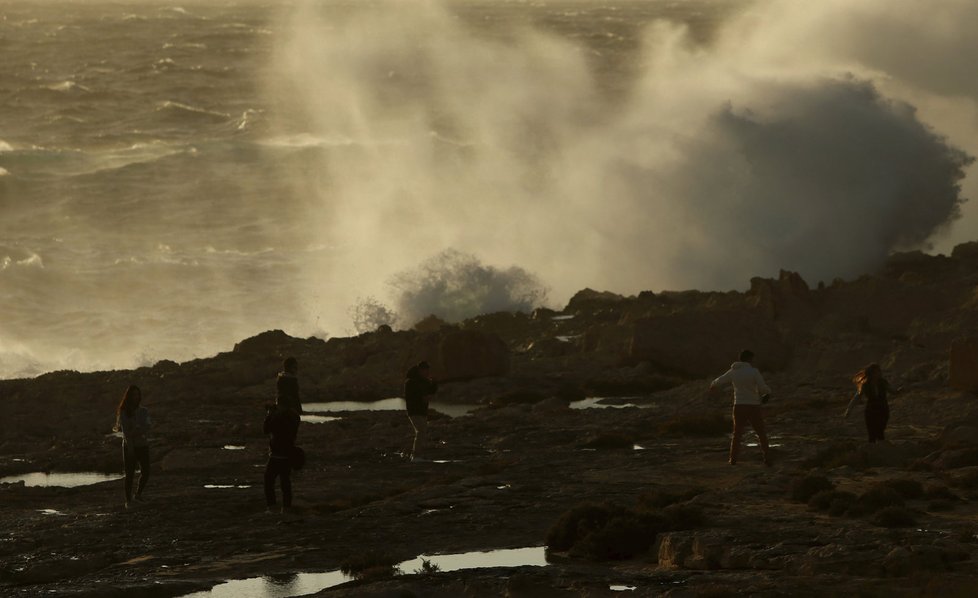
(834, 516)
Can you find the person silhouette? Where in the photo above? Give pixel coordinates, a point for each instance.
(418, 384)
(281, 425)
(133, 421)
(871, 386)
(750, 392)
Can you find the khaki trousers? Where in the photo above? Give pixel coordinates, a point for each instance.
(742, 416)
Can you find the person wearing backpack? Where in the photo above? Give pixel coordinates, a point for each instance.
(418, 384)
(750, 392)
(281, 426)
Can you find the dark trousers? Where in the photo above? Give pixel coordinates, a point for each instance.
(130, 457)
(742, 416)
(876, 418)
(278, 467)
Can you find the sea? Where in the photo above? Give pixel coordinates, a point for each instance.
(148, 207)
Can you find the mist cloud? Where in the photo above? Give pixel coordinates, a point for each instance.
(726, 161)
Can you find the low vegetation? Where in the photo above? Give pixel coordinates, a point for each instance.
(609, 531)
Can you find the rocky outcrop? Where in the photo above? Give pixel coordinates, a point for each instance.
(467, 354)
(700, 344)
(964, 364)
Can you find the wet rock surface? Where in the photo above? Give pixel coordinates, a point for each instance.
(899, 518)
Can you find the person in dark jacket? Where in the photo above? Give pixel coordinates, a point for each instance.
(281, 426)
(418, 384)
(873, 388)
(287, 385)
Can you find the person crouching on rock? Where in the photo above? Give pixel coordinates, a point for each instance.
(750, 391)
(281, 426)
(418, 384)
(133, 421)
(871, 386)
(287, 385)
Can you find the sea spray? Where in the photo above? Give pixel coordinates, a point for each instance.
(713, 169)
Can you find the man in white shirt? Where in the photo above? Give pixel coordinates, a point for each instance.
(750, 392)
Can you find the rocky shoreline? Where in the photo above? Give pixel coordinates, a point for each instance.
(833, 516)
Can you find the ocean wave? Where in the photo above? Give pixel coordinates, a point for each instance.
(40, 162)
(188, 110)
(306, 140)
(5, 147)
(31, 261)
(67, 86)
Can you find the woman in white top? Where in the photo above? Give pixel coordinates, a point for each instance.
(133, 421)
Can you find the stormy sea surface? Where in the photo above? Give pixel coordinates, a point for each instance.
(145, 174)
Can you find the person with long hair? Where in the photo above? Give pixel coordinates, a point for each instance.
(133, 421)
(873, 388)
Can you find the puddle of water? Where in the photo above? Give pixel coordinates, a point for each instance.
(511, 557)
(621, 588)
(279, 586)
(50, 512)
(597, 403)
(19, 460)
(771, 444)
(392, 404)
(233, 447)
(299, 584)
(559, 318)
(61, 480)
(638, 447)
(225, 486)
(317, 419)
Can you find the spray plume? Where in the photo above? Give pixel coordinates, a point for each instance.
(760, 149)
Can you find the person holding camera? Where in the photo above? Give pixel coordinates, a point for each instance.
(281, 425)
(750, 392)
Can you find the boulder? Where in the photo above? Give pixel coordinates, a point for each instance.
(703, 344)
(674, 549)
(964, 364)
(591, 300)
(467, 354)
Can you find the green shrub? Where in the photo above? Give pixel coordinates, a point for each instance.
(894, 517)
(369, 565)
(427, 568)
(609, 531)
(802, 489)
(622, 537)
